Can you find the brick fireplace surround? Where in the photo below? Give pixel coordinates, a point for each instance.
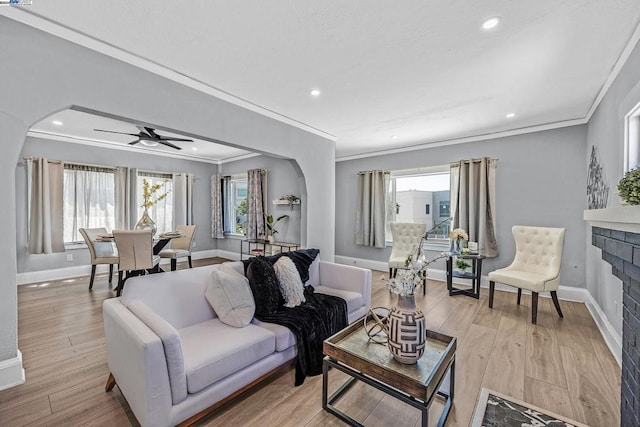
(621, 249)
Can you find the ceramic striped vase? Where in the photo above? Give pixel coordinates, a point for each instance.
(407, 331)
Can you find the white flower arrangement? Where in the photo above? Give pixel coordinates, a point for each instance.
(412, 276)
(459, 233)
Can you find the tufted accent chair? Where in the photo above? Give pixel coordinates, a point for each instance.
(536, 265)
(406, 238)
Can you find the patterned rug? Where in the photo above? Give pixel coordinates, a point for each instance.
(497, 410)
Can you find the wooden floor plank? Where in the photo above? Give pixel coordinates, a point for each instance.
(544, 395)
(543, 356)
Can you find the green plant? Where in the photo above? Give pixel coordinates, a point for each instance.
(291, 199)
(461, 264)
(629, 187)
(271, 223)
(149, 190)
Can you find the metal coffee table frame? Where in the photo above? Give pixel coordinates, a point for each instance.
(420, 395)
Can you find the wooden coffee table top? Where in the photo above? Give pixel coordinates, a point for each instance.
(352, 347)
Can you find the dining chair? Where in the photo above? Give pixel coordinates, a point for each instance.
(536, 265)
(101, 252)
(180, 247)
(135, 251)
(406, 238)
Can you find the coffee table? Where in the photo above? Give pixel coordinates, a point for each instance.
(351, 352)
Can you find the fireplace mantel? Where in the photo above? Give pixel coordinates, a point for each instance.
(621, 218)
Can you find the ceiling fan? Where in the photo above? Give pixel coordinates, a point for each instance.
(148, 136)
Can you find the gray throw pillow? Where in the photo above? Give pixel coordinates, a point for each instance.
(230, 296)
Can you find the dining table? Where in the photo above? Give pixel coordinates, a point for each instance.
(159, 243)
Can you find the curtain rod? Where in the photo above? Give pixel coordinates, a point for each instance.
(477, 160)
(75, 163)
(377, 170)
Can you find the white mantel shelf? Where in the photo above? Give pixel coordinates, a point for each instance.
(622, 218)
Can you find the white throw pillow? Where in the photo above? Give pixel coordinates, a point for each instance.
(230, 296)
(289, 281)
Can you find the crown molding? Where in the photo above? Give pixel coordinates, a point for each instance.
(445, 142)
(38, 22)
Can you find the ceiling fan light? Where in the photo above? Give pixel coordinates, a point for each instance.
(149, 143)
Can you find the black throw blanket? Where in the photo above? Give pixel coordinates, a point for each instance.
(311, 323)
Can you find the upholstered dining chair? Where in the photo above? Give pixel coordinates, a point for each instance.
(180, 247)
(536, 265)
(135, 254)
(406, 238)
(101, 252)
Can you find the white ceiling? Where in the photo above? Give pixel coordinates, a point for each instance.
(420, 70)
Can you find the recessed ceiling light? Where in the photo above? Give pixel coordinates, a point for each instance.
(491, 23)
(314, 92)
(194, 148)
(510, 115)
(57, 122)
(394, 137)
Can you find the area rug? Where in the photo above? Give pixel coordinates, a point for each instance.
(497, 410)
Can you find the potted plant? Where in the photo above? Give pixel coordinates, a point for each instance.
(462, 265)
(291, 199)
(629, 187)
(271, 225)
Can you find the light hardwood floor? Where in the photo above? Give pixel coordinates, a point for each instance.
(560, 364)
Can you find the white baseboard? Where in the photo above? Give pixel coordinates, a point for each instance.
(565, 293)
(85, 270)
(11, 372)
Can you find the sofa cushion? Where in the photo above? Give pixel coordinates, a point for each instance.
(289, 282)
(264, 286)
(354, 299)
(212, 350)
(230, 296)
(172, 347)
(284, 336)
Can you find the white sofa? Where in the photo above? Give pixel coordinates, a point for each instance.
(181, 362)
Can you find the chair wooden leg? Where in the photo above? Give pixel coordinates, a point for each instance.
(492, 288)
(554, 297)
(174, 264)
(391, 273)
(110, 273)
(189, 258)
(93, 276)
(519, 295)
(395, 272)
(534, 307)
(110, 383)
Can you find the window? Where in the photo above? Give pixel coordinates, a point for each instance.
(632, 139)
(162, 211)
(88, 199)
(235, 204)
(411, 193)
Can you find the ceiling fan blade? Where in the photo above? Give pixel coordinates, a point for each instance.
(168, 144)
(134, 142)
(149, 131)
(110, 131)
(169, 138)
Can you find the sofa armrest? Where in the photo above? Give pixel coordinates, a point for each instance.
(348, 278)
(136, 359)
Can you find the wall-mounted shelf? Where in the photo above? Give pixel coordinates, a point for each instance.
(285, 202)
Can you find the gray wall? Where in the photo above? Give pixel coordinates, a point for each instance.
(540, 180)
(606, 131)
(57, 150)
(282, 179)
(48, 74)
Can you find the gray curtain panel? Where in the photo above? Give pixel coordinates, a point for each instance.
(182, 199)
(217, 227)
(371, 208)
(228, 218)
(256, 193)
(473, 201)
(123, 198)
(46, 204)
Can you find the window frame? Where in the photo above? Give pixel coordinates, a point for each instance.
(429, 245)
(229, 206)
(631, 139)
